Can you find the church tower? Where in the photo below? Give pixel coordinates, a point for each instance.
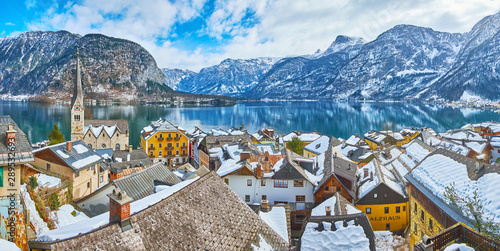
(77, 110)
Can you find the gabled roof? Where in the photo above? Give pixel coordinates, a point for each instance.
(318, 146)
(140, 184)
(161, 125)
(334, 167)
(290, 170)
(23, 146)
(80, 156)
(122, 124)
(186, 216)
(381, 175)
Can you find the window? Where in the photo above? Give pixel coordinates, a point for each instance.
(159, 153)
(90, 145)
(415, 228)
(103, 146)
(368, 210)
(249, 182)
(247, 198)
(151, 145)
(1, 176)
(226, 180)
(183, 143)
(48, 167)
(386, 210)
(169, 144)
(298, 183)
(280, 183)
(169, 153)
(177, 144)
(327, 188)
(151, 153)
(88, 184)
(264, 197)
(388, 226)
(161, 136)
(385, 195)
(183, 152)
(101, 178)
(338, 189)
(170, 135)
(415, 207)
(263, 183)
(422, 215)
(397, 209)
(159, 145)
(300, 198)
(430, 224)
(117, 147)
(276, 202)
(374, 195)
(177, 152)
(299, 218)
(77, 173)
(156, 136)
(404, 208)
(93, 167)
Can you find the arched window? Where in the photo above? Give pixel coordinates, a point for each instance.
(103, 146)
(117, 147)
(90, 146)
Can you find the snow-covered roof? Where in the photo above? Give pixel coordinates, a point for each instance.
(442, 168)
(276, 219)
(461, 134)
(381, 174)
(353, 140)
(417, 151)
(305, 137)
(351, 237)
(320, 210)
(477, 147)
(375, 136)
(77, 158)
(7, 245)
(97, 130)
(266, 148)
(318, 146)
(230, 166)
(48, 181)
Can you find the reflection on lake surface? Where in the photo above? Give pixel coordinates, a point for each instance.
(340, 119)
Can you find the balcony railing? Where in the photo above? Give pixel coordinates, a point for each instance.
(152, 148)
(184, 147)
(169, 148)
(161, 138)
(177, 138)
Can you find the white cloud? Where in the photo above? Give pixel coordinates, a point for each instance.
(9, 24)
(284, 27)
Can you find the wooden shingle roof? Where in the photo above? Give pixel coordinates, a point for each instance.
(204, 215)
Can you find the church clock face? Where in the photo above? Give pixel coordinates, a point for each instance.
(77, 108)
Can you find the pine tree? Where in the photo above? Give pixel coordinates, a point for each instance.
(55, 136)
(296, 145)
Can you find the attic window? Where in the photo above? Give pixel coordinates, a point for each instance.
(318, 146)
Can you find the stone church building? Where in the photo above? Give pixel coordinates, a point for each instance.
(97, 134)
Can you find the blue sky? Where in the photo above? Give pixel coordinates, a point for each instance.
(198, 33)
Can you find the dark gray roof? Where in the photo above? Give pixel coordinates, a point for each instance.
(336, 166)
(118, 166)
(290, 170)
(108, 151)
(136, 154)
(140, 184)
(23, 146)
(220, 140)
(204, 215)
(359, 218)
(77, 161)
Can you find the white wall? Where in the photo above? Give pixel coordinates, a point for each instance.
(239, 185)
(494, 153)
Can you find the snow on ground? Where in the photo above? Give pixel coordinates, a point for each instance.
(350, 238)
(276, 219)
(458, 247)
(90, 224)
(7, 245)
(48, 181)
(320, 210)
(385, 241)
(63, 216)
(40, 225)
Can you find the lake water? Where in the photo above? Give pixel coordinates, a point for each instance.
(330, 118)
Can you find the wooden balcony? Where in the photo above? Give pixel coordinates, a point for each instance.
(169, 148)
(177, 138)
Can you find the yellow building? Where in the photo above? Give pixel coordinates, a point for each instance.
(430, 213)
(165, 141)
(409, 134)
(383, 198)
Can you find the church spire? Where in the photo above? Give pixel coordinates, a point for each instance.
(77, 88)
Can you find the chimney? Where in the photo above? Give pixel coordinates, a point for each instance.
(265, 205)
(463, 142)
(328, 210)
(244, 155)
(10, 136)
(335, 156)
(130, 148)
(259, 171)
(69, 146)
(365, 172)
(119, 208)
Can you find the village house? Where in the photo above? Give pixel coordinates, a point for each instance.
(210, 148)
(382, 195)
(195, 137)
(15, 151)
(339, 176)
(75, 161)
(306, 138)
(264, 136)
(490, 129)
(165, 141)
(375, 139)
(352, 152)
(170, 219)
(125, 162)
(318, 147)
(431, 211)
(409, 134)
(137, 186)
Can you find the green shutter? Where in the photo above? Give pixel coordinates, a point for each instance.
(1, 176)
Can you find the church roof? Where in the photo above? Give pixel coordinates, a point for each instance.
(122, 124)
(77, 88)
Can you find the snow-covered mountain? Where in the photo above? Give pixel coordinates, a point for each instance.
(404, 63)
(43, 63)
(232, 77)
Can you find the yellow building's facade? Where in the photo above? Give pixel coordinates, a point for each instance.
(421, 222)
(165, 142)
(391, 217)
(308, 154)
(371, 144)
